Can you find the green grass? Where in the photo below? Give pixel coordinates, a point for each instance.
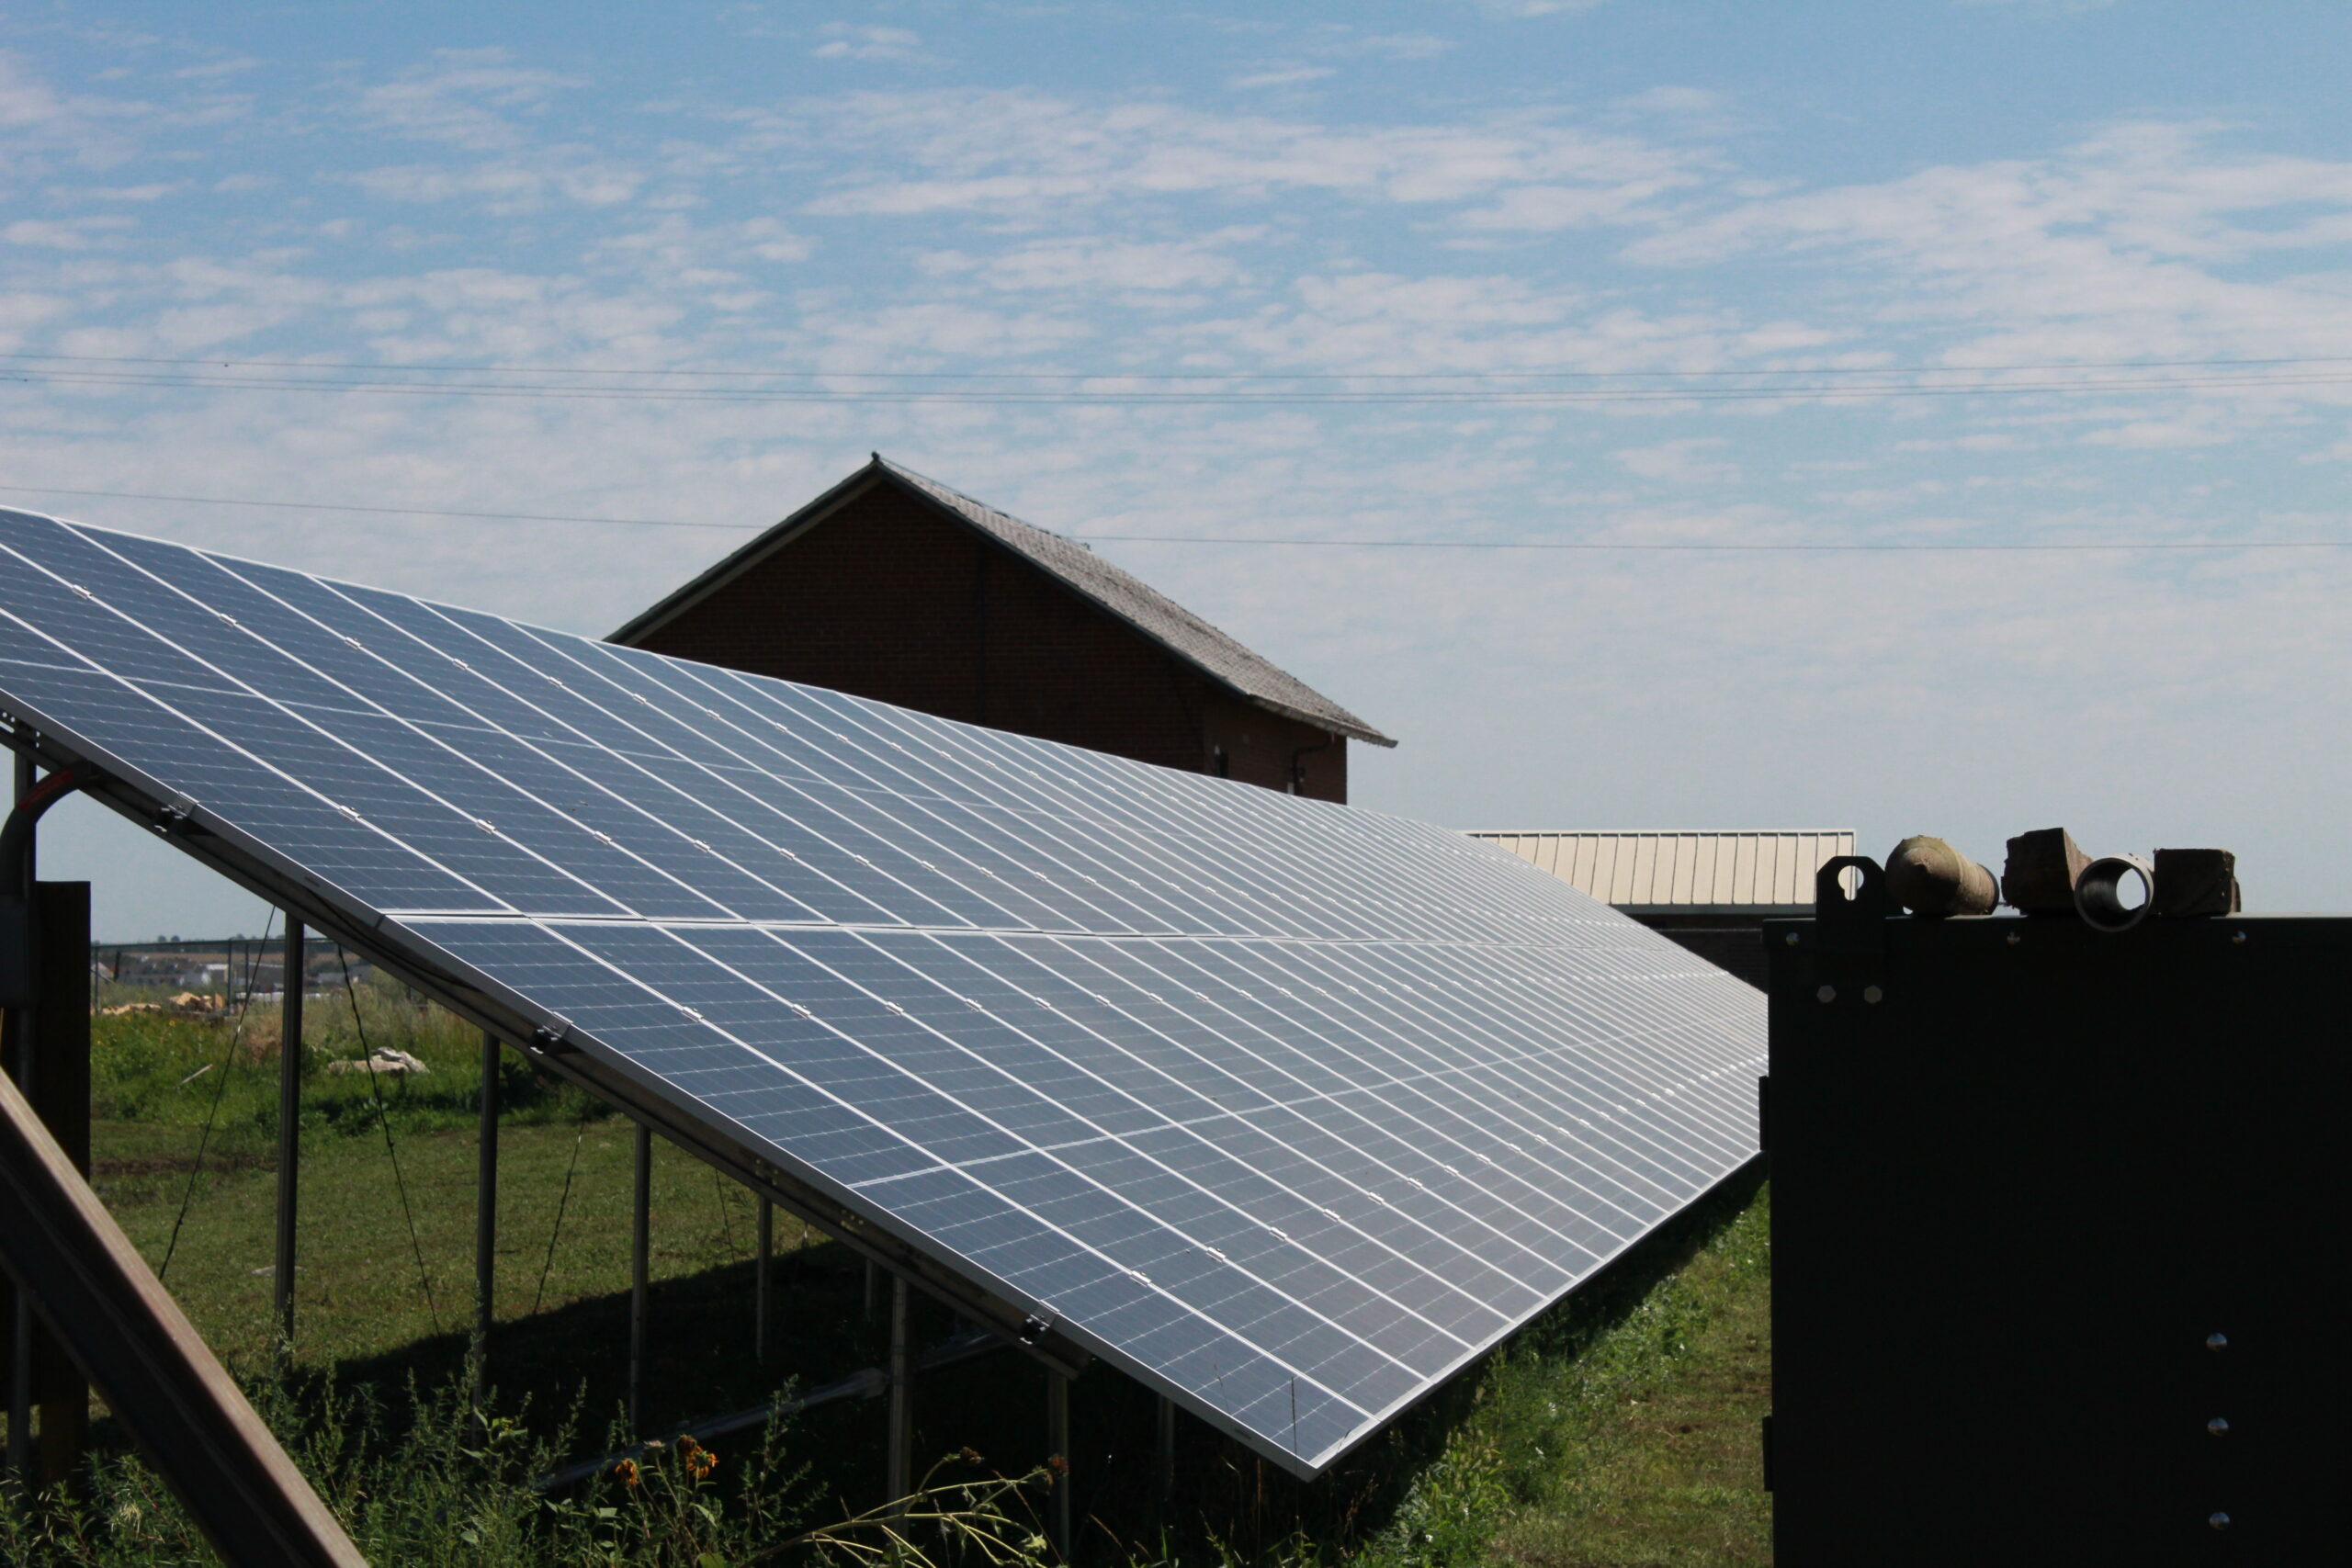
(1618, 1430)
(1643, 1451)
(365, 1291)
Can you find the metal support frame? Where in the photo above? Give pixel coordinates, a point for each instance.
(761, 1269)
(158, 1378)
(44, 1012)
(289, 1136)
(641, 1244)
(255, 867)
(1058, 1444)
(486, 1216)
(15, 1027)
(871, 1281)
(902, 1389)
(1163, 1451)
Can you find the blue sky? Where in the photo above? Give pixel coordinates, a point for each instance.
(1457, 273)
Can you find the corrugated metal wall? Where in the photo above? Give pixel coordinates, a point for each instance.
(1755, 872)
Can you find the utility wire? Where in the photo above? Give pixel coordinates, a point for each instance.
(378, 510)
(445, 369)
(384, 1120)
(1604, 545)
(1632, 545)
(563, 1200)
(994, 397)
(219, 1086)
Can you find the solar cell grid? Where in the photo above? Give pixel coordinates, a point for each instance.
(1286, 1108)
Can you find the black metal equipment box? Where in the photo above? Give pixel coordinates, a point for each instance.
(2058, 1225)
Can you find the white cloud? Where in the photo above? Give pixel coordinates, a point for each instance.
(154, 192)
(1155, 231)
(844, 41)
(1280, 76)
(1674, 100)
(1539, 209)
(2115, 249)
(467, 99)
(2040, 7)
(72, 235)
(1124, 267)
(485, 114)
(1679, 462)
(233, 66)
(1390, 46)
(1522, 10)
(1011, 150)
(504, 185)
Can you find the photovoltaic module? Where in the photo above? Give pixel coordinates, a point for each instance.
(1286, 1108)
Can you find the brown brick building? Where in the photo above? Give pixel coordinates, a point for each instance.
(893, 586)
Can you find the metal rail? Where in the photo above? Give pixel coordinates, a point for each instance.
(155, 1372)
(866, 1383)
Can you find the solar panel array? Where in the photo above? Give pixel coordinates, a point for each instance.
(1286, 1108)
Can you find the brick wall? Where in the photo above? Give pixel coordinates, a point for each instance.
(886, 599)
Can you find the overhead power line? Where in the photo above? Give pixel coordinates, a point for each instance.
(1703, 544)
(1522, 397)
(381, 366)
(379, 511)
(1634, 545)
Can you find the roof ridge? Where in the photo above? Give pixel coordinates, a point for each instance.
(1198, 641)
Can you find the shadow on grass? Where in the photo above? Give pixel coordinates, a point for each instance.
(1228, 1505)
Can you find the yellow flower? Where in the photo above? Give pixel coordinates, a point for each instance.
(626, 1471)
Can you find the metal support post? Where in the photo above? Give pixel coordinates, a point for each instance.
(17, 1026)
(870, 1277)
(168, 1391)
(1057, 1443)
(640, 1241)
(486, 1214)
(901, 1394)
(45, 1039)
(1163, 1455)
(289, 1136)
(760, 1280)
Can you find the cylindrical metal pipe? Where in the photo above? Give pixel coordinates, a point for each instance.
(1164, 1453)
(1058, 1444)
(289, 1135)
(640, 1249)
(902, 1364)
(486, 1214)
(1929, 877)
(2098, 892)
(760, 1271)
(16, 1028)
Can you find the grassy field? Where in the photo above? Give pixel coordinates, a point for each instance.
(1618, 1430)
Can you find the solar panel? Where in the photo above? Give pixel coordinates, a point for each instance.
(1288, 1109)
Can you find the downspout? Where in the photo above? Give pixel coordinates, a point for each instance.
(980, 628)
(1298, 764)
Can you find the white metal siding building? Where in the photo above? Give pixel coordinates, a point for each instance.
(1711, 892)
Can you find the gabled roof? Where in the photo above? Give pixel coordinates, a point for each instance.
(1077, 568)
(1686, 873)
